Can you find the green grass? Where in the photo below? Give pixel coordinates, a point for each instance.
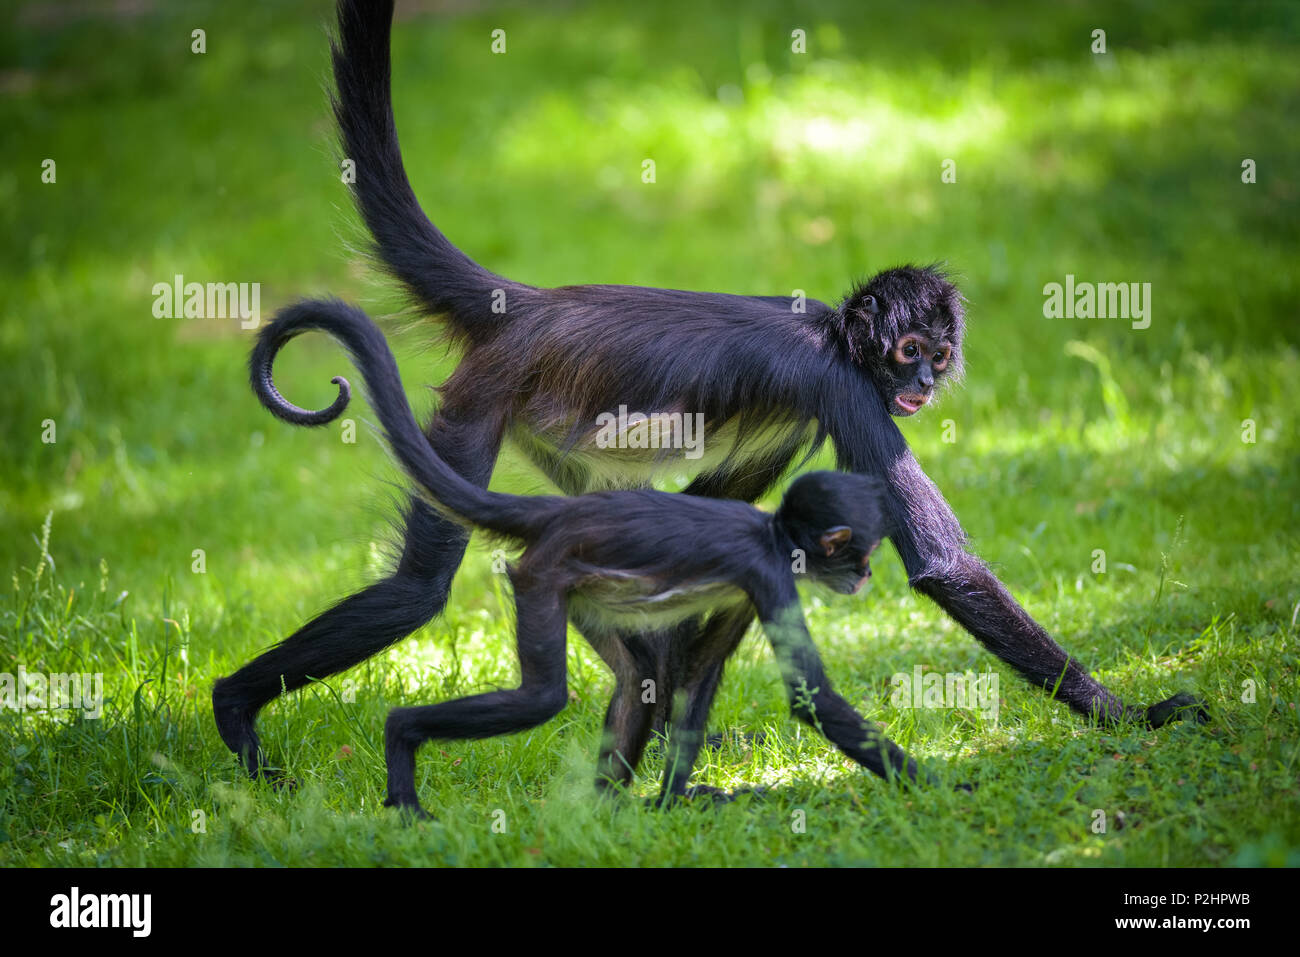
(774, 172)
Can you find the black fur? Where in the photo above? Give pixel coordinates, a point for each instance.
(776, 383)
(616, 555)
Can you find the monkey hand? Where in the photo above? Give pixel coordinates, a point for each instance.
(1180, 707)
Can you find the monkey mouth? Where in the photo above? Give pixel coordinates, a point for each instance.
(910, 402)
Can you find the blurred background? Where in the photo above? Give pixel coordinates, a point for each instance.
(774, 171)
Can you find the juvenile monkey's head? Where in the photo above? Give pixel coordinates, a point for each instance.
(837, 519)
(905, 326)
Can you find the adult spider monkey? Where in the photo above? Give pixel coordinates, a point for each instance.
(623, 559)
(772, 384)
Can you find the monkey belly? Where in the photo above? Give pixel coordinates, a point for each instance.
(636, 604)
(602, 460)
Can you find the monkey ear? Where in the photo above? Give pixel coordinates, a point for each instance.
(834, 538)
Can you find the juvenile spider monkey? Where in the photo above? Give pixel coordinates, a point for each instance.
(622, 559)
(540, 365)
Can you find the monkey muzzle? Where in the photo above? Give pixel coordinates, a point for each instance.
(910, 402)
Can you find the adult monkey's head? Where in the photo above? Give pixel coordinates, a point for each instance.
(904, 326)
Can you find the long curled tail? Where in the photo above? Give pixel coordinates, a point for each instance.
(270, 341)
(442, 279)
(511, 515)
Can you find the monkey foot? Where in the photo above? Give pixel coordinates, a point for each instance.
(235, 726)
(705, 792)
(410, 810)
(1182, 706)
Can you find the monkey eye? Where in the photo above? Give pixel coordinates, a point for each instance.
(910, 350)
(940, 358)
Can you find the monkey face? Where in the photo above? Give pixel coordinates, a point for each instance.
(851, 575)
(918, 363)
(845, 564)
(864, 567)
(905, 327)
(861, 574)
(852, 579)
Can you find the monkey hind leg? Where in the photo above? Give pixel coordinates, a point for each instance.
(623, 740)
(702, 658)
(347, 634)
(541, 695)
(369, 621)
(685, 737)
(642, 696)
